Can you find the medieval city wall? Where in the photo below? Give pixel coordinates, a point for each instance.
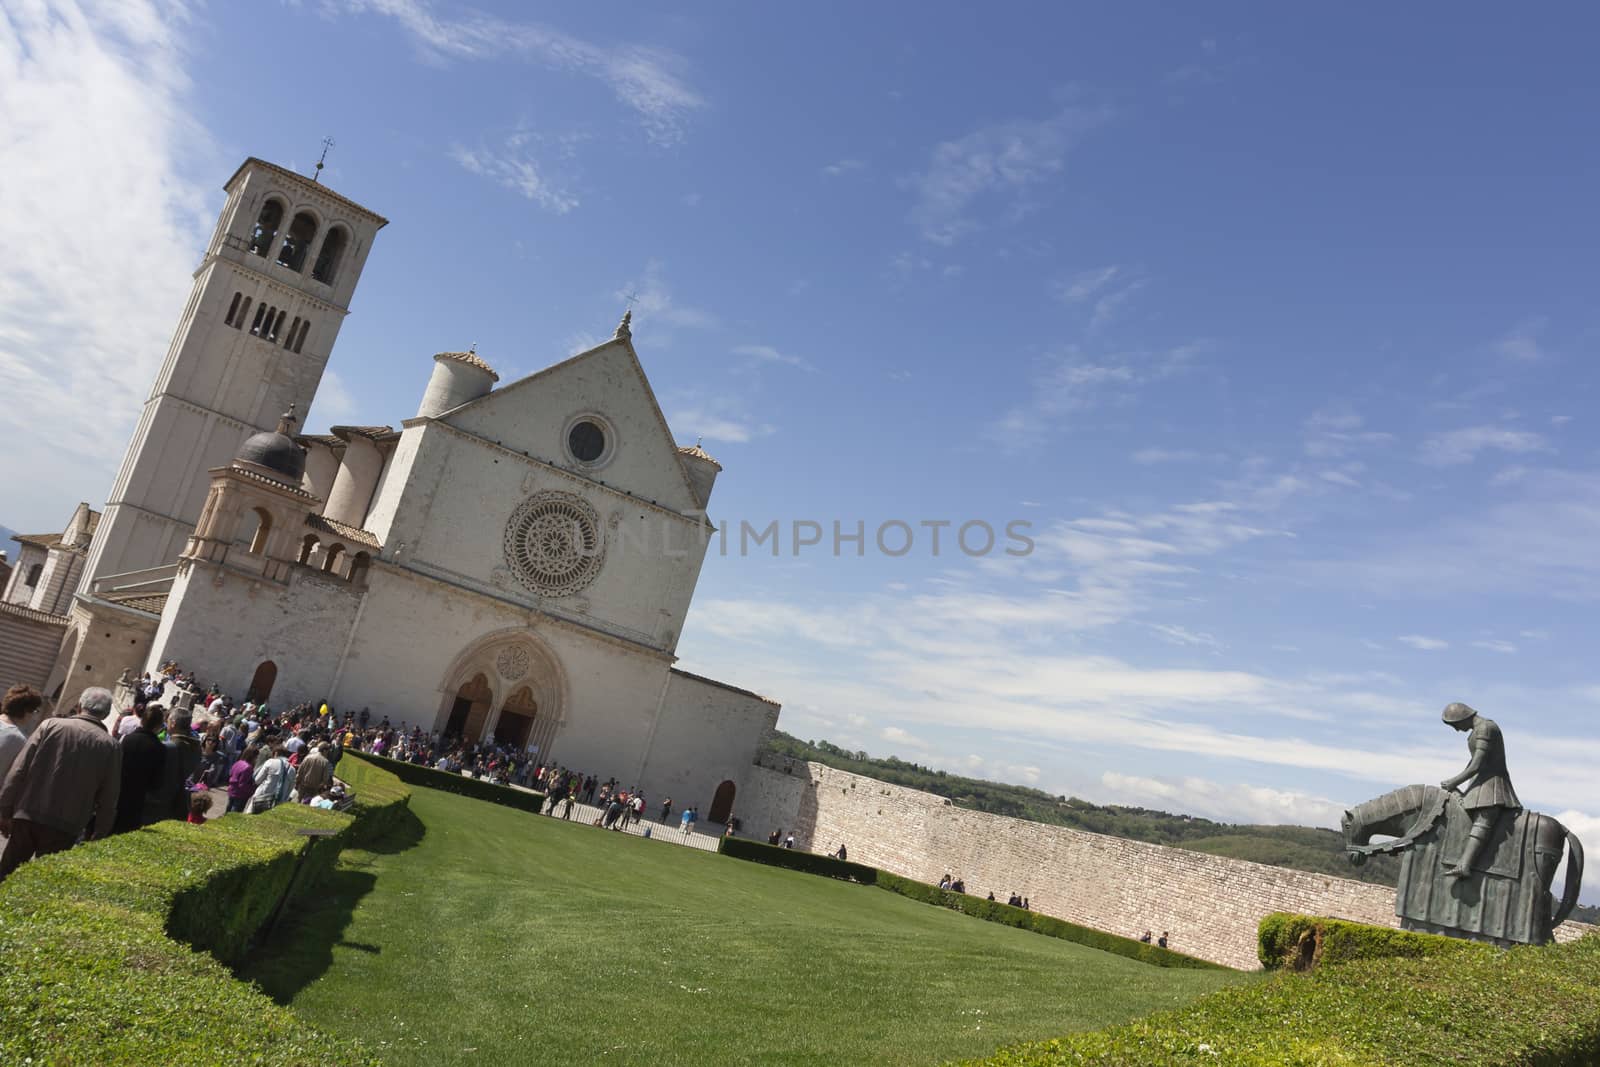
(1210, 904)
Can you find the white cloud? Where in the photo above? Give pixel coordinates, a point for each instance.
(1462, 446)
(1330, 434)
(654, 305)
(1071, 380)
(334, 405)
(769, 354)
(95, 122)
(1085, 284)
(1424, 644)
(896, 736)
(513, 167)
(843, 166)
(1495, 645)
(1521, 342)
(1147, 456)
(647, 80)
(996, 162)
(716, 418)
(1180, 635)
(1234, 802)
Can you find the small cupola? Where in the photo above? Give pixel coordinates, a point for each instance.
(274, 451)
(458, 377)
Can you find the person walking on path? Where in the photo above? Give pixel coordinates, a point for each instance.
(143, 759)
(68, 772)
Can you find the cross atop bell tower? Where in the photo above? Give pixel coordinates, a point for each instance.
(269, 297)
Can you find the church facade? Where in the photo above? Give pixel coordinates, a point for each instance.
(515, 562)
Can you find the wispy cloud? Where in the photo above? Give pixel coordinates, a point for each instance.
(514, 167)
(769, 354)
(1521, 342)
(1149, 456)
(1230, 802)
(714, 416)
(843, 166)
(1463, 446)
(655, 306)
(1072, 380)
(94, 103)
(1332, 433)
(1106, 290)
(995, 163)
(1424, 644)
(647, 80)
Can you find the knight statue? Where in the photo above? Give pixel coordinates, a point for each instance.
(1476, 865)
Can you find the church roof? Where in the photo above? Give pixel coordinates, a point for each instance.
(724, 685)
(694, 451)
(151, 602)
(471, 359)
(342, 530)
(318, 439)
(372, 433)
(48, 540)
(315, 185)
(32, 614)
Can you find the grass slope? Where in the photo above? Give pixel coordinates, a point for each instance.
(504, 937)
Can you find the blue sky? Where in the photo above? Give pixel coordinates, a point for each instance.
(1277, 325)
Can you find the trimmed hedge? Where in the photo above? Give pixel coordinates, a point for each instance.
(996, 912)
(1302, 942)
(796, 860)
(114, 951)
(1522, 1006)
(453, 782)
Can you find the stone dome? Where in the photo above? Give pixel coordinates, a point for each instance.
(275, 451)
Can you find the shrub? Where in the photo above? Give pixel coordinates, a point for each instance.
(1022, 918)
(796, 860)
(1522, 1006)
(452, 782)
(1301, 942)
(93, 968)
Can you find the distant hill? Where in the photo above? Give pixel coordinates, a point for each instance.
(8, 546)
(1302, 848)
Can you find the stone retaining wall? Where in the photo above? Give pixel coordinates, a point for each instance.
(1210, 904)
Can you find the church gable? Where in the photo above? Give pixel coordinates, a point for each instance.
(595, 415)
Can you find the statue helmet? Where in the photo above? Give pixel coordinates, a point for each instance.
(1454, 713)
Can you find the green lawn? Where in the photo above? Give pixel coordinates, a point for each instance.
(504, 937)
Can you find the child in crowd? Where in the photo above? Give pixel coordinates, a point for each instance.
(199, 804)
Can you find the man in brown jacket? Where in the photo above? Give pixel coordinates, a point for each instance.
(69, 770)
(315, 774)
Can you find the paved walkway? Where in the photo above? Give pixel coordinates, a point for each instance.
(671, 831)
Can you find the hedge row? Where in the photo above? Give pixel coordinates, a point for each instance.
(977, 907)
(1024, 919)
(1518, 1007)
(453, 782)
(796, 860)
(1302, 942)
(115, 951)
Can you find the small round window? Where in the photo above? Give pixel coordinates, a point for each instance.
(586, 441)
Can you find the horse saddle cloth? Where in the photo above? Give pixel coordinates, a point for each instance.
(1503, 853)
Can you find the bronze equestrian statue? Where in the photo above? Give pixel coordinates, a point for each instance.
(1476, 866)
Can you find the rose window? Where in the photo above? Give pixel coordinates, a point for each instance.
(553, 543)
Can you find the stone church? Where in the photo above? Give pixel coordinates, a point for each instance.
(515, 561)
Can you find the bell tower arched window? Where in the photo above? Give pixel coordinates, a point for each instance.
(327, 263)
(301, 233)
(266, 227)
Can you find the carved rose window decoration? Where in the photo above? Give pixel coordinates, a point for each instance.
(512, 663)
(553, 543)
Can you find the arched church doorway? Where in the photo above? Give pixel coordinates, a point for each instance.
(471, 707)
(722, 803)
(515, 724)
(261, 683)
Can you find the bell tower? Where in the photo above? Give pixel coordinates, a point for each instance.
(268, 300)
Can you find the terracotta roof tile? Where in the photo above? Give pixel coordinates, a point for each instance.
(697, 452)
(151, 602)
(471, 359)
(342, 530)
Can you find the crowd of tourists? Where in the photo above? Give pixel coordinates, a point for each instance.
(93, 773)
